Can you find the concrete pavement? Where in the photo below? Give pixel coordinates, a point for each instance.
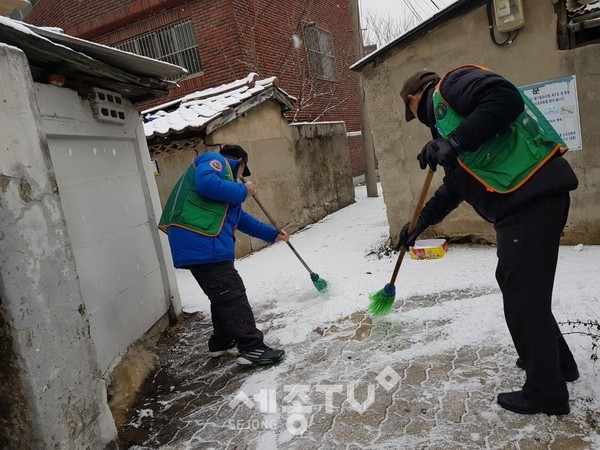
(351, 386)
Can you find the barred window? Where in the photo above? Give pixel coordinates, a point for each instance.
(319, 49)
(175, 44)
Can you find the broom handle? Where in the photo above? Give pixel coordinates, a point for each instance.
(278, 229)
(413, 222)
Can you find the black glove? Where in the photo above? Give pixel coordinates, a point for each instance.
(408, 240)
(439, 151)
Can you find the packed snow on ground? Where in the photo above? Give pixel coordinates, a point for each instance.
(338, 248)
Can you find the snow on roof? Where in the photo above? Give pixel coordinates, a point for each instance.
(331, 122)
(197, 110)
(84, 63)
(128, 61)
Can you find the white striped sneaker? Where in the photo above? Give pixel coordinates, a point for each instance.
(260, 356)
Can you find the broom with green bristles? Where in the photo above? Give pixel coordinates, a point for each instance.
(319, 282)
(383, 300)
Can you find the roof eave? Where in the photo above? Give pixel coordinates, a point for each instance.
(129, 62)
(228, 116)
(79, 69)
(454, 10)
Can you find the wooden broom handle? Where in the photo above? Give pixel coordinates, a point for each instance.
(264, 210)
(413, 222)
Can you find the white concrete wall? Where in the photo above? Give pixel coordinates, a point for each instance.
(106, 186)
(50, 367)
(84, 270)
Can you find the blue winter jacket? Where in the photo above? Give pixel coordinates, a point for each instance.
(190, 248)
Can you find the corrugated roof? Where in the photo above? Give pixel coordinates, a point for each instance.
(127, 61)
(85, 64)
(212, 108)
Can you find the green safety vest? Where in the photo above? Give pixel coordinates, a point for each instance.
(187, 209)
(507, 161)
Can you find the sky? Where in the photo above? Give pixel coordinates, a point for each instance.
(341, 248)
(391, 7)
(393, 17)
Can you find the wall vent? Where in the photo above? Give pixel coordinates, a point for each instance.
(108, 106)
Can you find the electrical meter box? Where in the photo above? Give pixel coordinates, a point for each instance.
(508, 15)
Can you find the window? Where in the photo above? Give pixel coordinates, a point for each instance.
(319, 48)
(175, 44)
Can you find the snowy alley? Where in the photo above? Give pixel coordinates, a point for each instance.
(424, 376)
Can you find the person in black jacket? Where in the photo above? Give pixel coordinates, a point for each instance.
(528, 216)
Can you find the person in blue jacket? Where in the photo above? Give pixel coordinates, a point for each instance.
(201, 216)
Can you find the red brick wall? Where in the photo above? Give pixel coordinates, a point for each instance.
(66, 13)
(235, 37)
(90, 18)
(357, 158)
(266, 32)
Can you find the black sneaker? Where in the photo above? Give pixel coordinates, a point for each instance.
(569, 370)
(231, 349)
(260, 356)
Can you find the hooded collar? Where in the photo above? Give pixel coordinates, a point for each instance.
(424, 110)
(234, 164)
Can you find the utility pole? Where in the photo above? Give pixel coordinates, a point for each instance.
(367, 138)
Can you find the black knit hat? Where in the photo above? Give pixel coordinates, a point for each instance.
(237, 152)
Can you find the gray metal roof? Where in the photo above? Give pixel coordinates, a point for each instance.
(85, 64)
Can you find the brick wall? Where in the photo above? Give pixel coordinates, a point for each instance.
(266, 30)
(88, 19)
(357, 158)
(235, 37)
(266, 34)
(66, 13)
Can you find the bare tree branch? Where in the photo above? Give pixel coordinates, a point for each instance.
(380, 30)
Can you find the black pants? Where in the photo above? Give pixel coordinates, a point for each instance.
(231, 313)
(528, 242)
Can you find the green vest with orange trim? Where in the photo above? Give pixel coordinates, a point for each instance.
(507, 161)
(187, 209)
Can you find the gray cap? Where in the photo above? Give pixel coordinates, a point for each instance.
(413, 84)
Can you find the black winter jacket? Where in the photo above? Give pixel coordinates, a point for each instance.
(489, 103)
